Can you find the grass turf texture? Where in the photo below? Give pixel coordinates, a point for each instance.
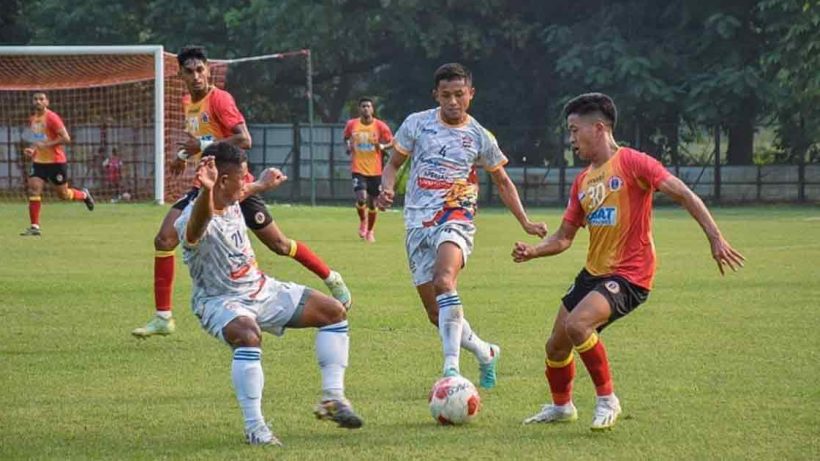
(709, 368)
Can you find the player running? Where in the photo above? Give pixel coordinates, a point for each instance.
(613, 198)
(47, 136)
(367, 138)
(211, 116)
(234, 301)
(446, 145)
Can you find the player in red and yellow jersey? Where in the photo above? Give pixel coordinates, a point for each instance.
(367, 139)
(613, 199)
(47, 135)
(211, 116)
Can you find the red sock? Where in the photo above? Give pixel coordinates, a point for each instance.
(163, 279)
(306, 257)
(34, 204)
(371, 219)
(78, 195)
(593, 353)
(360, 211)
(559, 376)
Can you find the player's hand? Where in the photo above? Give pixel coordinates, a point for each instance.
(206, 172)
(38, 145)
(522, 252)
(535, 228)
(271, 178)
(724, 254)
(177, 166)
(29, 152)
(190, 144)
(385, 199)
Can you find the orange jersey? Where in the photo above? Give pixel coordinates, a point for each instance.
(213, 117)
(615, 202)
(46, 128)
(364, 142)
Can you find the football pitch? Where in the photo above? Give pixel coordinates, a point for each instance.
(708, 368)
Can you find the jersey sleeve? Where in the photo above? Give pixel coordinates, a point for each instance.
(649, 172)
(385, 135)
(225, 110)
(54, 123)
(181, 224)
(490, 156)
(405, 140)
(574, 214)
(349, 128)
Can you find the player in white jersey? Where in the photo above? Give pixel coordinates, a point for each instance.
(446, 145)
(235, 301)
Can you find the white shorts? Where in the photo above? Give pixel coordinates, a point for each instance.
(278, 305)
(422, 246)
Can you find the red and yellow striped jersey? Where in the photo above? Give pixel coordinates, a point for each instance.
(364, 141)
(46, 128)
(615, 201)
(213, 117)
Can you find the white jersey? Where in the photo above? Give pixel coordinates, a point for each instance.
(443, 184)
(222, 262)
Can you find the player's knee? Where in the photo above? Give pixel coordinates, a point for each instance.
(165, 242)
(63, 194)
(242, 332)
(280, 246)
(444, 283)
(577, 329)
(335, 312)
(557, 350)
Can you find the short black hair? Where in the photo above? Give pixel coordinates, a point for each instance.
(191, 52)
(42, 92)
(452, 71)
(366, 99)
(589, 103)
(226, 155)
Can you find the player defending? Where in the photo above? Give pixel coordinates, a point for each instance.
(235, 302)
(446, 145)
(367, 138)
(613, 197)
(211, 116)
(49, 164)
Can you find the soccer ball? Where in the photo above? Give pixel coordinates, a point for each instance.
(454, 400)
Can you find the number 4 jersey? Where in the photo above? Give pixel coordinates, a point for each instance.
(614, 201)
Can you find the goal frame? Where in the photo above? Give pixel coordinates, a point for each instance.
(159, 90)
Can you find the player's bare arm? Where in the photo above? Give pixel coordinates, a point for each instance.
(206, 174)
(270, 179)
(509, 195)
(385, 198)
(556, 243)
(722, 252)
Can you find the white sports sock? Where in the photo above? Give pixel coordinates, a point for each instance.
(164, 314)
(248, 382)
(450, 327)
(332, 346)
(474, 344)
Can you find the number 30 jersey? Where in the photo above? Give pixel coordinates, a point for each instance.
(615, 202)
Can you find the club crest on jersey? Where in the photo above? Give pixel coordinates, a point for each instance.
(204, 117)
(466, 142)
(615, 183)
(613, 287)
(605, 216)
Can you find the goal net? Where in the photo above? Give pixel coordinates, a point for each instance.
(122, 108)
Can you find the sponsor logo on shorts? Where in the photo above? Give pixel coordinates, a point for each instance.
(615, 183)
(606, 216)
(613, 287)
(58, 177)
(259, 217)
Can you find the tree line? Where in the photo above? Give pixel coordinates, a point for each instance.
(695, 64)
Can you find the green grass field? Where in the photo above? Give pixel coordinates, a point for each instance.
(709, 368)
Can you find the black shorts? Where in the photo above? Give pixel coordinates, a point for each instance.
(373, 184)
(55, 173)
(622, 295)
(253, 208)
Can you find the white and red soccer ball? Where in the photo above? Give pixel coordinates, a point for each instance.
(454, 400)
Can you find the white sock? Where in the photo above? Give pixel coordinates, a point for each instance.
(474, 344)
(248, 381)
(450, 326)
(332, 346)
(164, 314)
